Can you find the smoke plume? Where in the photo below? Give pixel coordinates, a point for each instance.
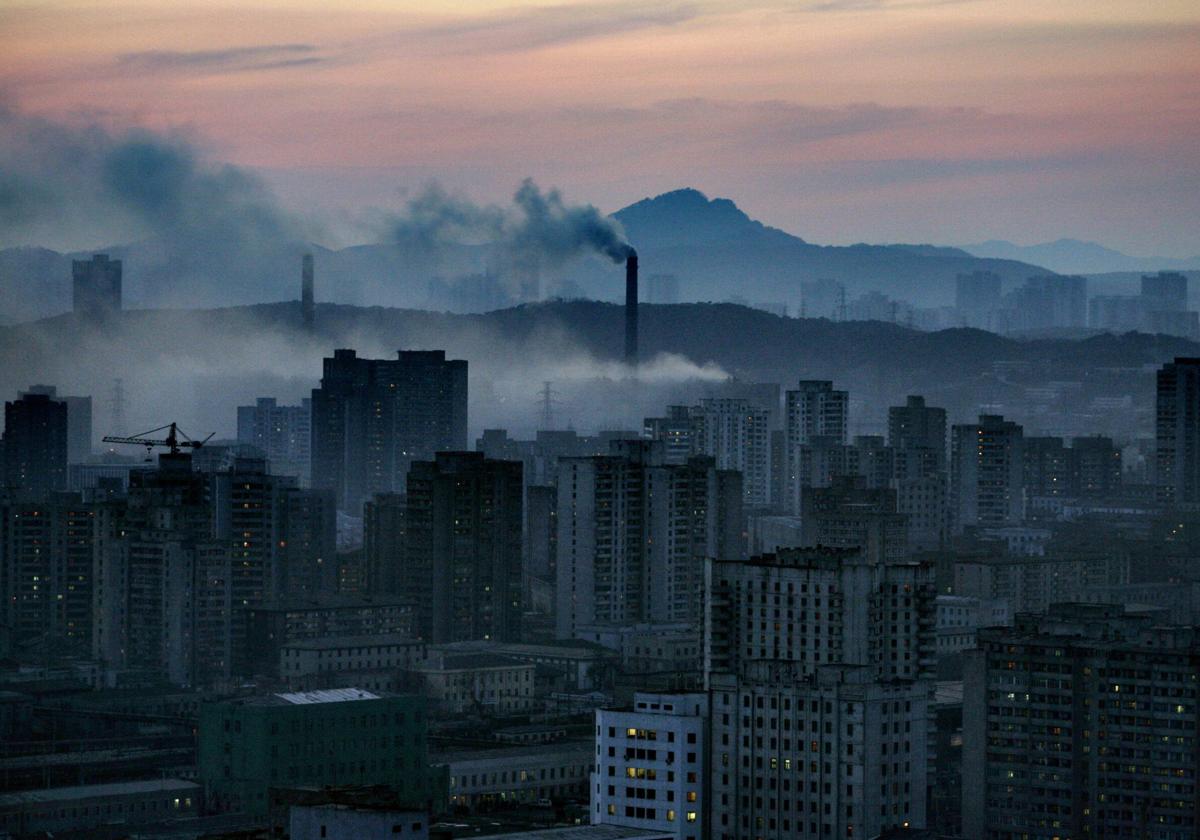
(538, 228)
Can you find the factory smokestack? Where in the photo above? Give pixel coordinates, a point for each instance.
(307, 305)
(631, 309)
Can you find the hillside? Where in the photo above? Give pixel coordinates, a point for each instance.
(196, 366)
(715, 249)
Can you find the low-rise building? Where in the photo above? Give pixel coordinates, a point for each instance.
(339, 736)
(476, 683)
(356, 822)
(87, 807)
(490, 777)
(302, 659)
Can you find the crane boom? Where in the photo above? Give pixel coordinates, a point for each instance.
(171, 441)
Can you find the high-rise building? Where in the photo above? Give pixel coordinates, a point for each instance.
(1177, 431)
(652, 766)
(96, 286)
(46, 572)
(736, 434)
(1047, 467)
(371, 418)
(35, 445)
(806, 753)
(817, 661)
(461, 556)
(815, 415)
(916, 426)
(1083, 722)
(633, 534)
(977, 297)
(851, 514)
(676, 431)
(79, 422)
(1166, 291)
(383, 542)
(815, 606)
(282, 433)
(1096, 467)
(987, 473)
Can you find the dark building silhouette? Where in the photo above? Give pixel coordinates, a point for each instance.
(96, 286)
(1177, 431)
(35, 445)
(46, 573)
(976, 297)
(383, 541)
(461, 556)
(371, 418)
(307, 302)
(915, 425)
(79, 422)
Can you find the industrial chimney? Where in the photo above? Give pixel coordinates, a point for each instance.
(631, 309)
(307, 305)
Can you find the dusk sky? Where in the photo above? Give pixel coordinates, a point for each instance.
(837, 120)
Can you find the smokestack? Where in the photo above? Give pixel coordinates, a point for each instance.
(631, 309)
(307, 305)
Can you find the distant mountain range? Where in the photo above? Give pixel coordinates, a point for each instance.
(715, 250)
(1073, 256)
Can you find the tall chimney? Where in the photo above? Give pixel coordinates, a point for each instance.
(631, 310)
(307, 305)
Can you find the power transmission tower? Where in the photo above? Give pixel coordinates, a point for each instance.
(547, 403)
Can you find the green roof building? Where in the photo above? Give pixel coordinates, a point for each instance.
(338, 737)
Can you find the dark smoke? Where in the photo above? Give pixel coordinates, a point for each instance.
(539, 227)
(94, 187)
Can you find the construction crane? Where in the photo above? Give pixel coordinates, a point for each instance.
(171, 441)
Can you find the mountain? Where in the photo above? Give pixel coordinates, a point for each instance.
(718, 252)
(1073, 256)
(715, 250)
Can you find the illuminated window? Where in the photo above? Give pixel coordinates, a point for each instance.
(691, 816)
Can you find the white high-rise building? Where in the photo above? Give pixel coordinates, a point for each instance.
(652, 765)
(737, 434)
(815, 414)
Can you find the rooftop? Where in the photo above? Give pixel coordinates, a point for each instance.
(331, 695)
(61, 794)
(339, 642)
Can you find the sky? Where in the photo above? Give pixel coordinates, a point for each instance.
(946, 121)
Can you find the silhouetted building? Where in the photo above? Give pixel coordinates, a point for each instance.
(308, 306)
(977, 297)
(916, 426)
(79, 422)
(282, 433)
(1177, 431)
(35, 445)
(1081, 723)
(987, 473)
(373, 417)
(96, 286)
(461, 556)
(46, 573)
(676, 431)
(383, 542)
